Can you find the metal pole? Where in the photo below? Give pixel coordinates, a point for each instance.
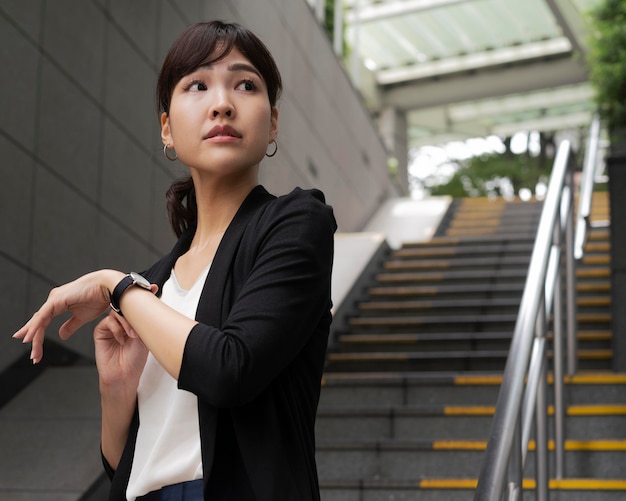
(570, 279)
(541, 442)
(541, 420)
(557, 343)
(516, 465)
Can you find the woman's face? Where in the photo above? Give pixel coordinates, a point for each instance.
(220, 119)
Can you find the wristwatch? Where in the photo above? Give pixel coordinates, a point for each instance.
(131, 279)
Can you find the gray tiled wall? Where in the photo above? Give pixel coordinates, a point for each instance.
(81, 168)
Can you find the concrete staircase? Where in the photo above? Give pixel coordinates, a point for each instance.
(413, 377)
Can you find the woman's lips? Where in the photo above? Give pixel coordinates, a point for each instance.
(223, 133)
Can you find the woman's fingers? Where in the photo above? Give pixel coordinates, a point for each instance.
(86, 298)
(36, 351)
(34, 332)
(115, 326)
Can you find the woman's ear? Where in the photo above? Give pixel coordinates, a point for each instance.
(166, 132)
(273, 125)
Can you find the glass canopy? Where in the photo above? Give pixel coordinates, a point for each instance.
(471, 68)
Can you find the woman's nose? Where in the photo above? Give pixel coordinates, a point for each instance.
(221, 106)
(227, 112)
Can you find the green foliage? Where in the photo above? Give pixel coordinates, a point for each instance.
(607, 61)
(492, 175)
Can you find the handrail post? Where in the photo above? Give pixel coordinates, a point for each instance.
(541, 419)
(541, 440)
(516, 465)
(570, 280)
(557, 321)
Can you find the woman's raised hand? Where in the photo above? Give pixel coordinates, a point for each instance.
(120, 354)
(86, 298)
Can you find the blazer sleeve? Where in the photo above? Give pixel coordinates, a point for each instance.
(279, 307)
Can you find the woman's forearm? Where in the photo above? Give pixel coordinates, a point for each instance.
(162, 329)
(118, 407)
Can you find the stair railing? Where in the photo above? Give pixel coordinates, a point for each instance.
(583, 223)
(586, 187)
(524, 389)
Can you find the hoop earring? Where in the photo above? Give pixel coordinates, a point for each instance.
(165, 150)
(275, 149)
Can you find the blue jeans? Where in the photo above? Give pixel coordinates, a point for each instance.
(184, 491)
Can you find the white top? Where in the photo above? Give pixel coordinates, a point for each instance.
(168, 440)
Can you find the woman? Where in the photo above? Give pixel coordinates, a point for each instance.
(210, 363)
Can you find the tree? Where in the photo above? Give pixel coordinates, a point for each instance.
(499, 174)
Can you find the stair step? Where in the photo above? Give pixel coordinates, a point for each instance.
(593, 272)
(461, 489)
(484, 275)
(434, 307)
(485, 262)
(593, 287)
(447, 422)
(401, 459)
(598, 246)
(422, 360)
(596, 260)
(454, 388)
(485, 241)
(471, 322)
(389, 341)
(497, 289)
(455, 359)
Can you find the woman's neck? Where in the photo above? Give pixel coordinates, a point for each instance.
(217, 206)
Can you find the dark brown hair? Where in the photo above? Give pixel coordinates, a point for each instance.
(198, 45)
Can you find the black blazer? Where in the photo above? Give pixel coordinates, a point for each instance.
(256, 358)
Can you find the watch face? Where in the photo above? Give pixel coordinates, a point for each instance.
(139, 280)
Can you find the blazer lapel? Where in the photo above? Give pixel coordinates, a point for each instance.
(210, 305)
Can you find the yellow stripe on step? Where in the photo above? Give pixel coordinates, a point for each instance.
(469, 410)
(596, 410)
(588, 484)
(465, 445)
(448, 483)
(586, 445)
(592, 378)
(592, 410)
(567, 484)
(470, 380)
(572, 410)
(595, 445)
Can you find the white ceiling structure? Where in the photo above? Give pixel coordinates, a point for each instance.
(472, 68)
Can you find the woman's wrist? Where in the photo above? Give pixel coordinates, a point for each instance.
(117, 393)
(109, 279)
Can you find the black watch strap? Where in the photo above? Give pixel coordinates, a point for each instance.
(130, 279)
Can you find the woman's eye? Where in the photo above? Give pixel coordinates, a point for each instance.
(197, 86)
(247, 85)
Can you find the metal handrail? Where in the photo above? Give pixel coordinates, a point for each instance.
(586, 187)
(524, 388)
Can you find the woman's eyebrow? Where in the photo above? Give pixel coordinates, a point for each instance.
(244, 67)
